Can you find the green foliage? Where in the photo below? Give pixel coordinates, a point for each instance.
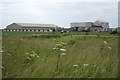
(72, 42)
(101, 47)
(86, 33)
(46, 36)
(93, 60)
(114, 32)
(60, 52)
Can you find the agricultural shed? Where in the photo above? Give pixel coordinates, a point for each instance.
(98, 25)
(32, 27)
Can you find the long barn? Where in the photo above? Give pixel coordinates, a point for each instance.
(32, 27)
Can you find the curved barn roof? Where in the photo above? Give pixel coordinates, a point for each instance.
(35, 25)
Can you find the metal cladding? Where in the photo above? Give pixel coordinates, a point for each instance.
(81, 24)
(32, 27)
(98, 25)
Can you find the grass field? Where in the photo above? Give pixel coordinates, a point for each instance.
(59, 55)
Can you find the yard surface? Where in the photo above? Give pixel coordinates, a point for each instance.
(59, 55)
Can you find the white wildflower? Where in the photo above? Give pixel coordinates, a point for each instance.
(21, 39)
(63, 50)
(58, 44)
(27, 53)
(8, 54)
(63, 54)
(5, 34)
(63, 43)
(109, 48)
(32, 55)
(2, 67)
(37, 56)
(75, 65)
(105, 42)
(28, 58)
(55, 48)
(85, 64)
(1, 51)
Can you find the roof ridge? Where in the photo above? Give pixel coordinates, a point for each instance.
(32, 23)
(35, 25)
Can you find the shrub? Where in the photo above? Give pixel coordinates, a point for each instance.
(47, 36)
(114, 32)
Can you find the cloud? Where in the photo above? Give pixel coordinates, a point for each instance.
(60, 12)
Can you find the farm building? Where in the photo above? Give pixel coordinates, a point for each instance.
(103, 24)
(79, 26)
(32, 27)
(92, 26)
(74, 26)
(96, 28)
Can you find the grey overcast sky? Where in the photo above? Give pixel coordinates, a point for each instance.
(59, 12)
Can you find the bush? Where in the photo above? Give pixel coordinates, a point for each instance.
(114, 32)
(47, 36)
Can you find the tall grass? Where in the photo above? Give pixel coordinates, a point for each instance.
(82, 50)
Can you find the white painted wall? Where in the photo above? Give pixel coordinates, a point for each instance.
(20, 30)
(50, 30)
(36, 30)
(45, 31)
(41, 30)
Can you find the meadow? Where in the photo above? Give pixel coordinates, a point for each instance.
(59, 55)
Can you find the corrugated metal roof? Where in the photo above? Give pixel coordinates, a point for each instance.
(100, 20)
(36, 25)
(80, 22)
